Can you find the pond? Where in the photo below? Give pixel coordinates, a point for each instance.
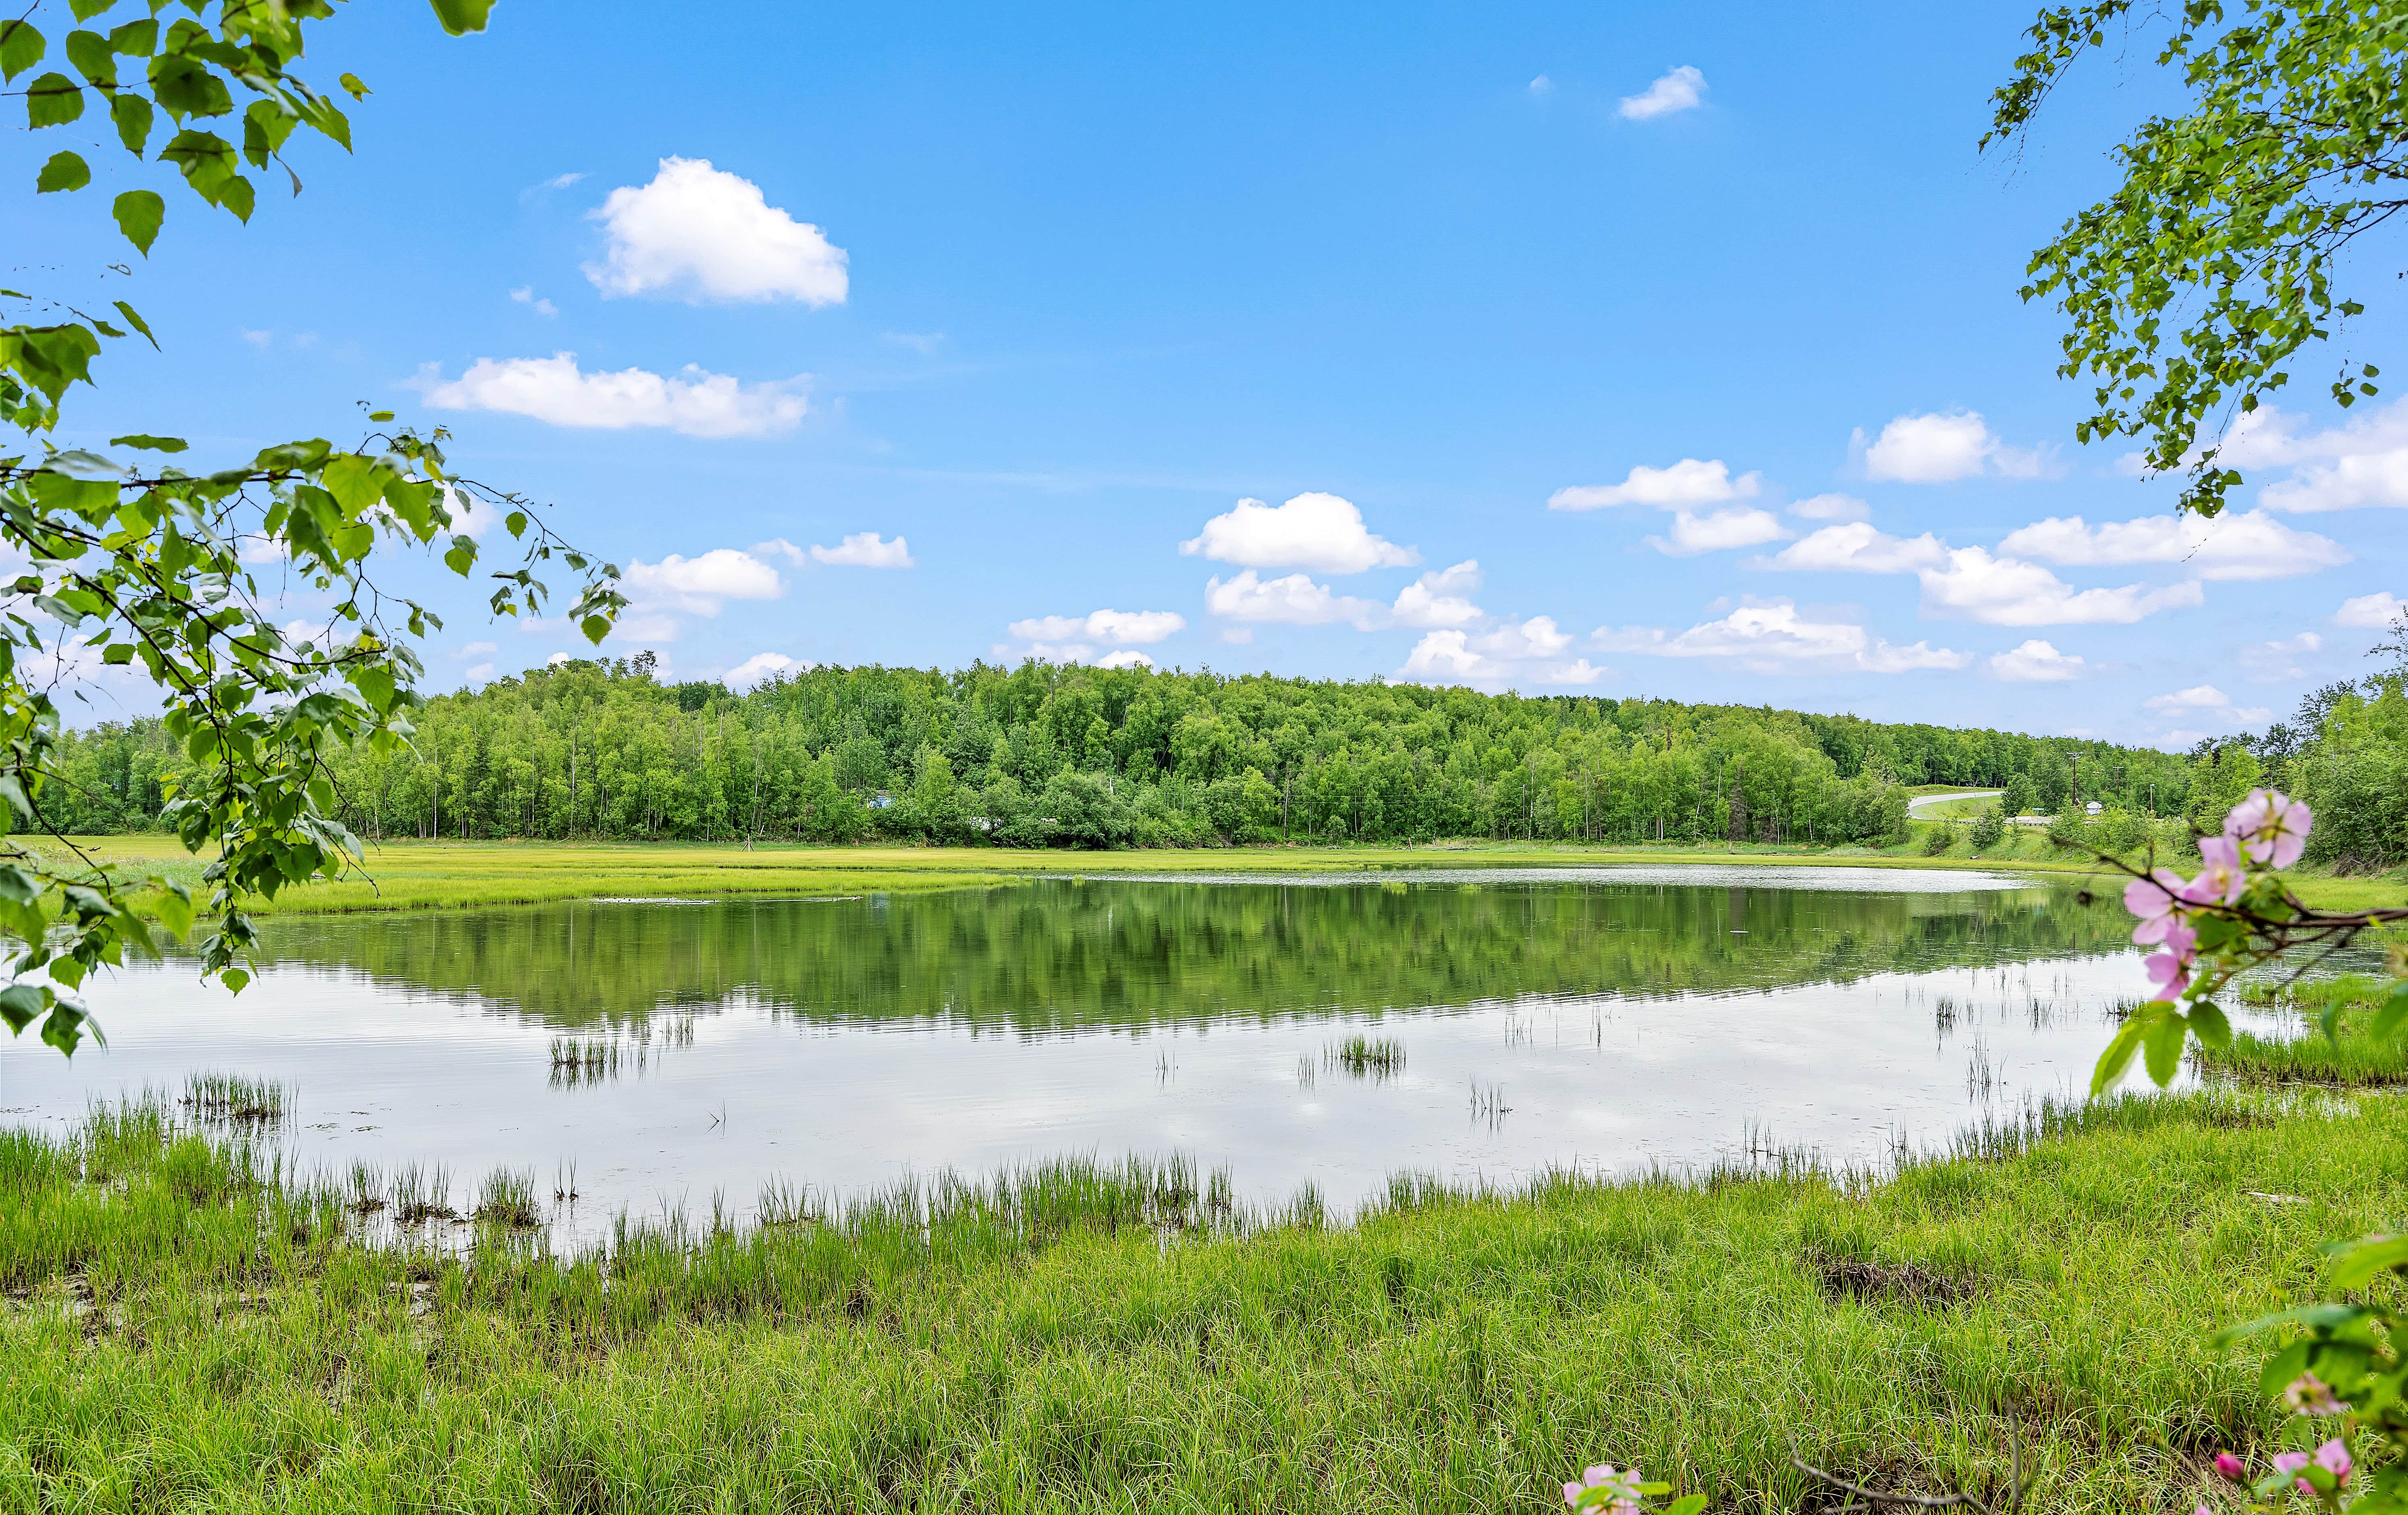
(1481, 1026)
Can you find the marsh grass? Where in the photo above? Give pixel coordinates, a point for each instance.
(231, 1100)
(191, 1324)
(2351, 1057)
(1376, 1058)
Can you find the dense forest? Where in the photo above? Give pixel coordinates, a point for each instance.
(1068, 755)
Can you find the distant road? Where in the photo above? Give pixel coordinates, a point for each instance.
(1914, 807)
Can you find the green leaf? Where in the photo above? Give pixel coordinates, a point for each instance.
(20, 47)
(2357, 1262)
(64, 171)
(139, 213)
(185, 87)
(65, 1028)
(2164, 1048)
(136, 39)
(134, 319)
(20, 1004)
(155, 444)
(133, 114)
(597, 627)
(1688, 1504)
(2387, 1019)
(462, 556)
(463, 16)
(175, 907)
(52, 100)
(94, 58)
(85, 11)
(516, 523)
(351, 82)
(2111, 1063)
(233, 978)
(2208, 1021)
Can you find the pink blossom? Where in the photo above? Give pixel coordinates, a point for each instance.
(2170, 974)
(1623, 1488)
(2156, 900)
(2333, 1457)
(2290, 1461)
(2231, 1467)
(2308, 1394)
(2224, 878)
(2272, 827)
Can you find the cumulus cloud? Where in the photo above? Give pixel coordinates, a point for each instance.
(471, 649)
(2364, 462)
(1680, 89)
(2235, 546)
(702, 234)
(1718, 531)
(1294, 600)
(1939, 448)
(524, 295)
(2006, 591)
(2372, 613)
(1856, 546)
(2037, 663)
(759, 667)
(1831, 508)
(1441, 599)
(1687, 482)
(1516, 652)
(1125, 658)
(1317, 532)
(864, 549)
(698, 585)
(1139, 626)
(555, 389)
(2205, 698)
(1542, 85)
(1773, 636)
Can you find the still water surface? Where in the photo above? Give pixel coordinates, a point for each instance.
(1606, 1018)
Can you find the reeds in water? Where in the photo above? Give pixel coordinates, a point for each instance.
(231, 1100)
(1377, 1058)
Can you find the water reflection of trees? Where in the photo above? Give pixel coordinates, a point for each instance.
(1059, 955)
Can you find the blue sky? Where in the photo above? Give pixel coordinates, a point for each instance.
(1693, 328)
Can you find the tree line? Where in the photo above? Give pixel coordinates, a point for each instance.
(1046, 754)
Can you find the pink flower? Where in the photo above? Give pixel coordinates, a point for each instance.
(2290, 1461)
(2333, 1457)
(2231, 1467)
(2224, 878)
(2272, 827)
(2156, 901)
(1621, 1489)
(2170, 974)
(2308, 1394)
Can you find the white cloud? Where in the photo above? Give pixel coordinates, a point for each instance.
(2374, 612)
(1542, 85)
(2234, 546)
(1294, 600)
(560, 181)
(1689, 481)
(477, 674)
(475, 649)
(1773, 636)
(1856, 546)
(778, 546)
(864, 549)
(1717, 531)
(1939, 448)
(1238, 636)
(707, 234)
(1517, 652)
(2037, 663)
(2206, 697)
(555, 390)
(524, 295)
(1139, 626)
(557, 659)
(1831, 508)
(697, 585)
(1317, 532)
(1441, 599)
(2364, 462)
(2006, 591)
(1124, 659)
(760, 666)
(259, 339)
(1678, 89)
(2276, 661)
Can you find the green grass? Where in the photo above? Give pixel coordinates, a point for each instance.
(414, 875)
(186, 1327)
(2351, 1056)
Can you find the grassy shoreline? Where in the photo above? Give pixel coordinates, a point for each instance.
(187, 1329)
(418, 875)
